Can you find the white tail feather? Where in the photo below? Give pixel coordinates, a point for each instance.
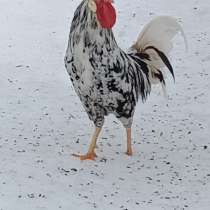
(157, 36)
(159, 33)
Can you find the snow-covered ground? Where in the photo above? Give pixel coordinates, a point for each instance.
(42, 121)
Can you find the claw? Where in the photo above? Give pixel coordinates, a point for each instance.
(88, 156)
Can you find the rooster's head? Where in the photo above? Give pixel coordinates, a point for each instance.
(105, 12)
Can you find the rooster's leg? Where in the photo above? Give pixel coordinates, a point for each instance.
(129, 147)
(91, 155)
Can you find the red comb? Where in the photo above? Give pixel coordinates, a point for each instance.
(106, 14)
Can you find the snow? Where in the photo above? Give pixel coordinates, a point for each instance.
(42, 121)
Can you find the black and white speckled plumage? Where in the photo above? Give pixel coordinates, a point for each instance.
(106, 79)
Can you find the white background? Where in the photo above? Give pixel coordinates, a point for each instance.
(42, 121)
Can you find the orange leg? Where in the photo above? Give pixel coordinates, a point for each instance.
(91, 155)
(129, 147)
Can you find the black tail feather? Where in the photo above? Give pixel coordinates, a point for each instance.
(164, 59)
(160, 76)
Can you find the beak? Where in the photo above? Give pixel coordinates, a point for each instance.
(92, 5)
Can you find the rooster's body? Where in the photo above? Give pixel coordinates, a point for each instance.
(106, 79)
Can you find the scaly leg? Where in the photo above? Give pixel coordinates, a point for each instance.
(129, 147)
(91, 155)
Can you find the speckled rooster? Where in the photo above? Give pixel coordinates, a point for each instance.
(107, 79)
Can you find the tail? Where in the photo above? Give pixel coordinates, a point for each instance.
(154, 44)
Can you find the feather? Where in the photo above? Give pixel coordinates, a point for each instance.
(160, 32)
(156, 41)
(107, 79)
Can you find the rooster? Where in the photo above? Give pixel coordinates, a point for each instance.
(107, 79)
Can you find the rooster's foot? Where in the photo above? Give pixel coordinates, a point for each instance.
(88, 156)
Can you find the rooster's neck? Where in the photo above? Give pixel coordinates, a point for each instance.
(86, 29)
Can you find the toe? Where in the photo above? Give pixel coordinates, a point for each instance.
(88, 156)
